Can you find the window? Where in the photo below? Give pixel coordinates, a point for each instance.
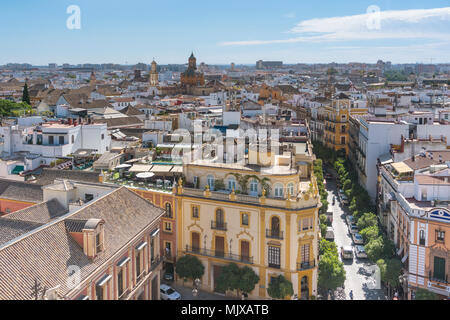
(422, 237)
(253, 187)
(274, 257)
(138, 264)
(98, 242)
(103, 136)
(342, 140)
(306, 224)
(305, 253)
(168, 226)
(195, 212)
(120, 280)
(290, 188)
(211, 182)
(168, 249)
(61, 139)
(279, 190)
(440, 235)
(196, 182)
(231, 184)
(99, 292)
(73, 139)
(168, 210)
(439, 268)
(244, 219)
(51, 140)
(88, 197)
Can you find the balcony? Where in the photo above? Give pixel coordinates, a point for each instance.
(220, 254)
(218, 225)
(433, 278)
(306, 265)
(274, 234)
(275, 266)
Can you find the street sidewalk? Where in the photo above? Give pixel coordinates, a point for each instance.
(186, 293)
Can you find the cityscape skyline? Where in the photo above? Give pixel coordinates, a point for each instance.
(401, 32)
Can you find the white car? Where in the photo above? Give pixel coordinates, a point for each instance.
(347, 252)
(357, 238)
(360, 252)
(168, 293)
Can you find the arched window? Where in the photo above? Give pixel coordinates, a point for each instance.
(278, 190)
(231, 183)
(422, 237)
(253, 187)
(211, 182)
(290, 188)
(168, 210)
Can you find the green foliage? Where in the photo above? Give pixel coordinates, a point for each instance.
(234, 278)
(26, 95)
(368, 219)
(248, 279)
(189, 267)
(374, 248)
(393, 272)
(369, 233)
(347, 184)
(219, 184)
(423, 294)
(331, 271)
(9, 108)
(326, 246)
(280, 288)
(395, 76)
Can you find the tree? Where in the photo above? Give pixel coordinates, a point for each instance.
(323, 225)
(25, 95)
(248, 280)
(374, 249)
(327, 246)
(347, 185)
(367, 220)
(369, 233)
(393, 272)
(331, 272)
(422, 294)
(219, 184)
(189, 267)
(280, 287)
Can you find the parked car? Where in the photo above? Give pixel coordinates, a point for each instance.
(344, 199)
(168, 293)
(168, 274)
(329, 215)
(360, 252)
(349, 219)
(328, 176)
(357, 238)
(352, 228)
(346, 252)
(330, 234)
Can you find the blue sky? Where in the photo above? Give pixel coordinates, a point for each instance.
(221, 32)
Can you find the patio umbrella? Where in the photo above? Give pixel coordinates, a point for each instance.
(123, 166)
(145, 175)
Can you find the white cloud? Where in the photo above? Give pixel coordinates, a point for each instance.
(399, 24)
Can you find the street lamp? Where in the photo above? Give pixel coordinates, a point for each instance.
(197, 283)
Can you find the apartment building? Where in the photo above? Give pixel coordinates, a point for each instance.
(85, 241)
(258, 215)
(414, 202)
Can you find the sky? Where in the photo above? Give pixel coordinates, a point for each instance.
(221, 32)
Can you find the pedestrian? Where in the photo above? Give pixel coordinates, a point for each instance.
(351, 294)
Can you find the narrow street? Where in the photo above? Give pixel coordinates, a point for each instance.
(360, 272)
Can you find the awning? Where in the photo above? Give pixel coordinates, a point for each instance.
(141, 246)
(177, 169)
(18, 170)
(161, 169)
(405, 257)
(385, 158)
(399, 251)
(140, 168)
(123, 261)
(104, 280)
(154, 233)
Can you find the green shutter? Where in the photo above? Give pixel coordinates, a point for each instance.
(439, 268)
